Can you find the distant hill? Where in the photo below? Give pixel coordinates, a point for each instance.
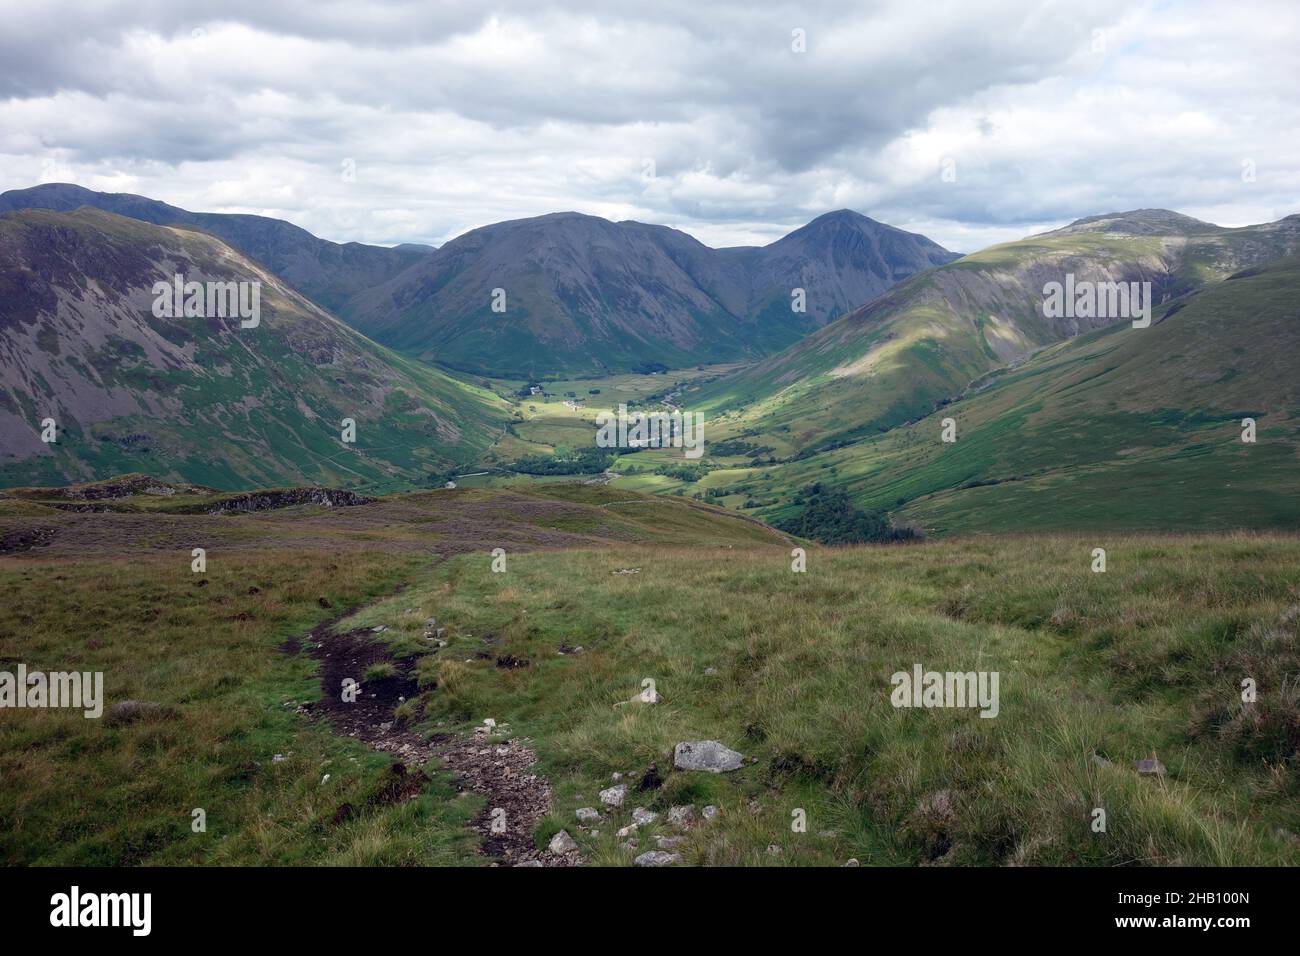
(586, 295)
(195, 399)
(1116, 429)
(328, 273)
(920, 344)
(583, 295)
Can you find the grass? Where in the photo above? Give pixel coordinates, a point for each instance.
(115, 593)
(99, 792)
(791, 669)
(1143, 659)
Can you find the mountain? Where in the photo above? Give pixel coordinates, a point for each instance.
(326, 272)
(583, 295)
(842, 259)
(1116, 429)
(586, 295)
(920, 344)
(202, 400)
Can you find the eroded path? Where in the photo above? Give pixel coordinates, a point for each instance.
(492, 765)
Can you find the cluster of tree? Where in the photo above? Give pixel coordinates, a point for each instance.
(585, 461)
(736, 446)
(830, 516)
(683, 472)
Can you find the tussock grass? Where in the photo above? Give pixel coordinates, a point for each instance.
(105, 792)
(1096, 671)
(1143, 660)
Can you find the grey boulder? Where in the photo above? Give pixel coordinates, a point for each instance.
(706, 755)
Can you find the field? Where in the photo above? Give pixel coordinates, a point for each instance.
(792, 670)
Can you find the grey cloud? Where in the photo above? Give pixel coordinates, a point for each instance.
(461, 113)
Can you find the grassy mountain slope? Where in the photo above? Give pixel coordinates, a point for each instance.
(201, 399)
(1120, 428)
(894, 360)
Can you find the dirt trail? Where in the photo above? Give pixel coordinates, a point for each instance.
(494, 767)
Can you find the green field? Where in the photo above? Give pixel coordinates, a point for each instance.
(790, 669)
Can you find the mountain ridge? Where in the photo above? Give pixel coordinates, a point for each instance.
(920, 343)
(206, 400)
(586, 294)
(328, 273)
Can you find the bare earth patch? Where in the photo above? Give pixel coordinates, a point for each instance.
(498, 770)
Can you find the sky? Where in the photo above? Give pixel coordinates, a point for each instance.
(970, 122)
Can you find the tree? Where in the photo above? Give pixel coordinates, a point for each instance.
(829, 516)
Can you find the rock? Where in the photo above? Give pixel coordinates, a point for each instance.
(614, 796)
(643, 817)
(616, 776)
(1098, 760)
(706, 755)
(562, 843)
(644, 697)
(682, 817)
(669, 843)
(710, 672)
(626, 831)
(588, 814)
(278, 758)
(852, 861)
(1150, 767)
(530, 863)
(379, 630)
(710, 812)
(773, 850)
(630, 845)
(657, 858)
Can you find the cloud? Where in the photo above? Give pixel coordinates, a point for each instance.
(701, 116)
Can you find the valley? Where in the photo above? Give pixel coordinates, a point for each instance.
(542, 624)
